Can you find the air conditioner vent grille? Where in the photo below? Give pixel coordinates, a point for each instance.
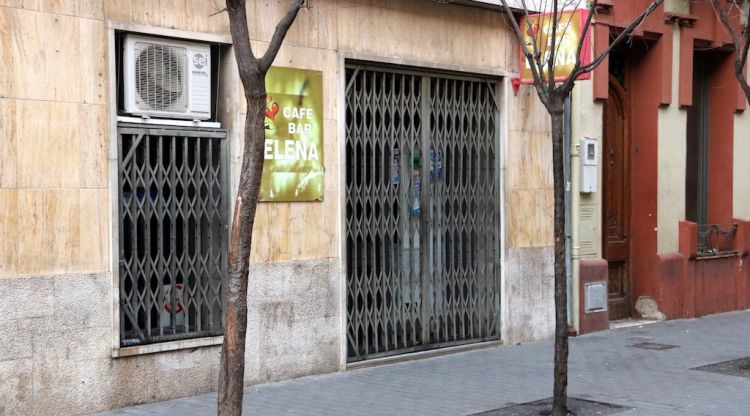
(161, 77)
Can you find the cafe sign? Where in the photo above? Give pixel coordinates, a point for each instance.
(293, 150)
(569, 27)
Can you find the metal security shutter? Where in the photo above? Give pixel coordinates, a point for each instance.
(422, 212)
(173, 233)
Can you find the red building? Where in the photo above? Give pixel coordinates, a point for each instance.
(668, 228)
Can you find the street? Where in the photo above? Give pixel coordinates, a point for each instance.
(603, 367)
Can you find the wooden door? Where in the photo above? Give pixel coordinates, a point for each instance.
(616, 199)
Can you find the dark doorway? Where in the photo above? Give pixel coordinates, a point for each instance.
(696, 178)
(422, 217)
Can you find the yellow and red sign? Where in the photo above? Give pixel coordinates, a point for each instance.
(293, 151)
(569, 27)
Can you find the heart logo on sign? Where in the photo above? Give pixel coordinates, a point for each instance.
(273, 110)
(534, 30)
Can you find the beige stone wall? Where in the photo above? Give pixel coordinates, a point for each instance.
(741, 188)
(54, 105)
(49, 103)
(56, 228)
(672, 162)
(410, 32)
(529, 192)
(55, 352)
(528, 308)
(55, 349)
(288, 231)
(419, 30)
(528, 275)
(587, 122)
(53, 183)
(586, 208)
(677, 6)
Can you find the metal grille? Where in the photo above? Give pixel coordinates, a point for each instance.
(173, 222)
(161, 77)
(422, 216)
(716, 239)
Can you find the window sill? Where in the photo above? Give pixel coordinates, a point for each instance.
(166, 346)
(717, 256)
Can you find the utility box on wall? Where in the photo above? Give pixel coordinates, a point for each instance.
(596, 296)
(589, 155)
(593, 295)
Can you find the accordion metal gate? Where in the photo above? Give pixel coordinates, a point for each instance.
(173, 194)
(422, 211)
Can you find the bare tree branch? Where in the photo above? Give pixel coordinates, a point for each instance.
(241, 40)
(568, 84)
(625, 33)
(567, 25)
(553, 97)
(552, 53)
(536, 59)
(525, 50)
(252, 72)
(539, 47)
(218, 10)
(741, 44)
(280, 33)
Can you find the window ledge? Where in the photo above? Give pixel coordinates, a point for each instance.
(166, 346)
(717, 256)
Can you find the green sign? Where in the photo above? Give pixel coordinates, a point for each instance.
(293, 152)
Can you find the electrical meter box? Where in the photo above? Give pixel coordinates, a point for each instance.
(589, 155)
(596, 296)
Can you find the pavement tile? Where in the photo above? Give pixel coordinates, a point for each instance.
(603, 367)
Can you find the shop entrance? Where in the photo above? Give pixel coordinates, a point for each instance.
(422, 211)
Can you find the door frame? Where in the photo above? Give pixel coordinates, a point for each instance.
(501, 98)
(617, 90)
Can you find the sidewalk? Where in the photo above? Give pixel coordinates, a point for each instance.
(603, 367)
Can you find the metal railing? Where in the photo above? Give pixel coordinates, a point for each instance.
(716, 240)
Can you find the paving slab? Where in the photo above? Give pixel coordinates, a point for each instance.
(604, 367)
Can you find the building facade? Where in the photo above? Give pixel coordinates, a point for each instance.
(668, 231)
(433, 228)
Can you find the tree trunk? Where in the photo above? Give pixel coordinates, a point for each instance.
(252, 73)
(232, 369)
(553, 97)
(560, 396)
(739, 73)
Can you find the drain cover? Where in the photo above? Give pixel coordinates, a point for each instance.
(740, 367)
(653, 346)
(544, 407)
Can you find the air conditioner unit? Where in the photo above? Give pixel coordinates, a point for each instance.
(166, 78)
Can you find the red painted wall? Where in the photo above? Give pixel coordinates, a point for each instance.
(591, 271)
(722, 84)
(706, 286)
(645, 101)
(705, 32)
(670, 295)
(682, 285)
(617, 17)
